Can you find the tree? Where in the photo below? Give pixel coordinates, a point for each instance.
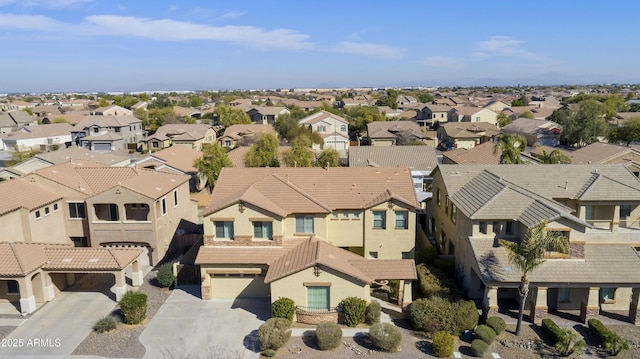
(555, 156)
(627, 133)
(527, 114)
(20, 154)
(425, 97)
(103, 102)
(329, 157)
(390, 99)
(520, 101)
(300, 154)
(228, 116)
(264, 152)
(503, 119)
(529, 253)
(195, 101)
(511, 147)
(214, 158)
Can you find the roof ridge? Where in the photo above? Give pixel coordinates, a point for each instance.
(20, 264)
(115, 258)
(299, 190)
(588, 185)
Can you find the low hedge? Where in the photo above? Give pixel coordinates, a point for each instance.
(479, 348)
(443, 344)
(372, 314)
(274, 333)
(283, 308)
(329, 335)
(611, 341)
(385, 336)
(497, 324)
(485, 333)
(433, 314)
(434, 282)
(133, 306)
(553, 331)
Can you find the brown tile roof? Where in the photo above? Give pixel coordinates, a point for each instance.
(71, 258)
(245, 255)
(321, 116)
(598, 152)
(387, 268)
(311, 190)
(417, 158)
(469, 129)
(240, 130)
(180, 157)
(479, 154)
(66, 154)
(29, 132)
(19, 259)
(18, 193)
(106, 121)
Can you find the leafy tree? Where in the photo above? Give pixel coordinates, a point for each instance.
(228, 116)
(627, 133)
(528, 254)
(156, 117)
(161, 101)
(520, 101)
(329, 157)
(511, 147)
(103, 102)
(634, 107)
(59, 120)
(264, 152)
(300, 154)
(579, 124)
(195, 101)
(20, 154)
(390, 99)
(527, 114)
(503, 119)
(555, 156)
(214, 159)
(125, 101)
(360, 116)
(425, 97)
(28, 110)
(288, 128)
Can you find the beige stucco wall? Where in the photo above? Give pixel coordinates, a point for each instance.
(346, 230)
(375, 142)
(389, 242)
(341, 286)
(11, 230)
(49, 228)
(242, 221)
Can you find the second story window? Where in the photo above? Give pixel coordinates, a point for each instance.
(77, 210)
(402, 220)
(304, 224)
(38, 214)
(508, 228)
(224, 229)
(379, 219)
(262, 230)
(454, 213)
(164, 206)
(106, 212)
(483, 227)
(175, 198)
(438, 197)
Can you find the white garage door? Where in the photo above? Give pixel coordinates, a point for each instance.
(102, 147)
(236, 286)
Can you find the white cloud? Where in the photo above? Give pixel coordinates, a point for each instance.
(372, 50)
(504, 46)
(50, 4)
(231, 15)
(443, 61)
(162, 30)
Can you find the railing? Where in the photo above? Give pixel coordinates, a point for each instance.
(606, 223)
(316, 310)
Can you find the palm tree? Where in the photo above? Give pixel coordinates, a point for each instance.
(529, 253)
(511, 146)
(553, 157)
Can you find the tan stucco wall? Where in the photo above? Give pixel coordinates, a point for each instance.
(389, 242)
(346, 231)
(11, 228)
(341, 286)
(381, 142)
(48, 228)
(242, 224)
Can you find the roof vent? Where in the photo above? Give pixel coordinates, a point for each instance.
(93, 260)
(67, 260)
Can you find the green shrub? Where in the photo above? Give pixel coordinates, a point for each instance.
(329, 335)
(479, 348)
(466, 316)
(497, 324)
(283, 308)
(433, 314)
(372, 314)
(274, 333)
(427, 256)
(133, 306)
(434, 282)
(385, 336)
(552, 330)
(165, 276)
(269, 353)
(446, 265)
(569, 343)
(611, 341)
(442, 345)
(485, 333)
(353, 309)
(105, 324)
(394, 288)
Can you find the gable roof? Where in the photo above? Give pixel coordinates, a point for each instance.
(469, 129)
(238, 131)
(18, 194)
(321, 116)
(417, 158)
(39, 131)
(598, 152)
(180, 157)
(106, 121)
(79, 153)
(310, 190)
(479, 154)
(183, 131)
(531, 126)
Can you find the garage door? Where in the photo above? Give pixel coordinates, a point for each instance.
(102, 147)
(239, 286)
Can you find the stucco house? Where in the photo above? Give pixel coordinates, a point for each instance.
(473, 114)
(392, 133)
(175, 159)
(608, 153)
(241, 134)
(266, 114)
(38, 138)
(108, 132)
(466, 134)
(595, 207)
(316, 235)
(13, 120)
(334, 130)
(189, 135)
(431, 114)
(537, 132)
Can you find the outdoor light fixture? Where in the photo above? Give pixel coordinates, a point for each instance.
(241, 207)
(317, 271)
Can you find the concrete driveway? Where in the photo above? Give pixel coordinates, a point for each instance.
(62, 324)
(189, 327)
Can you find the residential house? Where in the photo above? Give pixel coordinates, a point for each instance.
(391, 133)
(239, 154)
(108, 132)
(37, 138)
(479, 154)
(13, 120)
(175, 159)
(332, 128)
(266, 114)
(466, 134)
(595, 207)
(38, 258)
(187, 112)
(118, 206)
(189, 135)
(352, 102)
(431, 114)
(113, 110)
(607, 153)
(473, 114)
(243, 135)
(536, 132)
(48, 113)
(47, 159)
(311, 234)
(496, 106)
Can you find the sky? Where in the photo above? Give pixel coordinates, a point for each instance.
(143, 45)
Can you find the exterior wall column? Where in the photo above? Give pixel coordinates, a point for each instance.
(120, 288)
(615, 221)
(539, 309)
(582, 212)
(634, 306)
(205, 285)
(406, 296)
(592, 307)
(490, 302)
(136, 274)
(27, 299)
(49, 292)
(71, 279)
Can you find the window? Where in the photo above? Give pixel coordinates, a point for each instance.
(304, 224)
(77, 210)
(47, 211)
(95, 130)
(402, 220)
(438, 197)
(625, 210)
(406, 255)
(227, 143)
(454, 213)
(508, 227)
(477, 119)
(12, 287)
(37, 214)
(483, 227)
(588, 212)
(136, 211)
(262, 230)
(345, 215)
(80, 241)
(335, 215)
(55, 207)
(116, 129)
(564, 295)
(224, 229)
(373, 255)
(446, 205)
(106, 211)
(378, 219)
(607, 294)
(175, 198)
(356, 215)
(155, 144)
(164, 206)
(318, 298)
(343, 128)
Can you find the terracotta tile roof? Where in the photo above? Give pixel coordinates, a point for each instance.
(71, 258)
(106, 121)
(387, 268)
(417, 158)
(392, 126)
(312, 190)
(18, 193)
(321, 116)
(30, 132)
(109, 136)
(240, 130)
(479, 154)
(66, 154)
(19, 259)
(180, 157)
(238, 255)
(469, 129)
(598, 152)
